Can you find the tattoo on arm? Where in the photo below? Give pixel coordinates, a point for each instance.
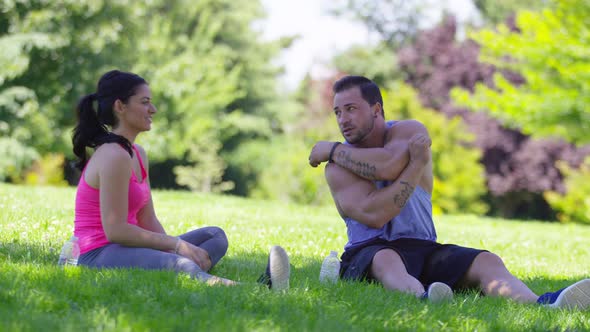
(400, 199)
(366, 170)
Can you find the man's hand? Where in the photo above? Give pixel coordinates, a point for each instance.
(195, 254)
(320, 153)
(419, 147)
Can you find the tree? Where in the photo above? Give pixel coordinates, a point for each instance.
(219, 87)
(65, 61)
(518, 168)
(574, 205)
(497, 11)
(377, 62)
(396, 21)
(193, 86)
(210, 73)
(552, 53)
(32, 37)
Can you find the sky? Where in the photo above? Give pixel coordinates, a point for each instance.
(322, 35)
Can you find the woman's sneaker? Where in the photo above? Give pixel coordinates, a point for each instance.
(576, 296)
(438, 292)
(276, 276)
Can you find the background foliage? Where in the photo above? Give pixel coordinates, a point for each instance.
(200, 57)
(574, 205)
(224, 126)
(551, 50)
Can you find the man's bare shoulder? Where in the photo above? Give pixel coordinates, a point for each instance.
(406, 129)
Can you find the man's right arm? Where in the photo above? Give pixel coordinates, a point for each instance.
(374, 163)
(357, 198)
(381, 163)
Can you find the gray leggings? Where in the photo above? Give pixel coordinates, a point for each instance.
(211, 239)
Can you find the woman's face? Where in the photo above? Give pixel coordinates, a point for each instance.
(137, 113)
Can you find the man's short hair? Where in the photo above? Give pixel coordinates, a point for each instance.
(369, 90)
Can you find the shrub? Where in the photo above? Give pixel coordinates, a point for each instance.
(288, 177)
(49, 170)
(15, 158)
(574, 204)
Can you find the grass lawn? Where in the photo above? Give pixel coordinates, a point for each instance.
(36, 295)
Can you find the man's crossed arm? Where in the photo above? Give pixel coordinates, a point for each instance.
(386, 163)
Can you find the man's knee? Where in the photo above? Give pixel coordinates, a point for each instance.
(386, 262)
(486, 264)
(389, 269)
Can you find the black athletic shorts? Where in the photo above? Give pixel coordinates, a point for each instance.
(425, 260)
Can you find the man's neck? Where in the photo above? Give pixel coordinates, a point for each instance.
(376, 138)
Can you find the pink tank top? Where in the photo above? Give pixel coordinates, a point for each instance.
(87, 223)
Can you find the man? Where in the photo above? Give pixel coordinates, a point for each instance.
(381, 181)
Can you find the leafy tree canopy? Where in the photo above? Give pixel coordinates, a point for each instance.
(497, 11)
(552, 52)
(211, 75)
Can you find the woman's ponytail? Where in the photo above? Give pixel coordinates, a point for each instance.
(88, 130)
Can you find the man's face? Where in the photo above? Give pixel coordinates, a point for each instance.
(354, 115)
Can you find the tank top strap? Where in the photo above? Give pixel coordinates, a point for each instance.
(143, 171)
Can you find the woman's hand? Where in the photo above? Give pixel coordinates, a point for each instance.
(194, 253)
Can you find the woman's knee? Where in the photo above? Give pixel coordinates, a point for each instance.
(219, 232)
(217, 242)
(220, 235)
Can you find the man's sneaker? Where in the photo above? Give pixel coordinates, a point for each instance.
(438, 292)
(576, 296)
(276, 276)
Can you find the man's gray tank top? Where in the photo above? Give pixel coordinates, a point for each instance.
(414, 220)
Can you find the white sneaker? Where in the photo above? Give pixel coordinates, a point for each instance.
(438, 292)
(276, 276)
(576, 296)
(279, 268)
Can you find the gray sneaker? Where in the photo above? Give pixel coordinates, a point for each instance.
(276, 276)
(438, 292)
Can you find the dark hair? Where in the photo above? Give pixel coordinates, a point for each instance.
(369, 90)
(91, 129)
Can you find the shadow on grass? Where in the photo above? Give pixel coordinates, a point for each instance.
(245, 267)
(541, 285)
(36, 293)
(21, 252)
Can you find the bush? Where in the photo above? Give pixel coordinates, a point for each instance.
(48, 170)
(574, 205)
(288, 177)
(15, 158)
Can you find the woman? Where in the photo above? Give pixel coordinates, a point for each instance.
(115, 220)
